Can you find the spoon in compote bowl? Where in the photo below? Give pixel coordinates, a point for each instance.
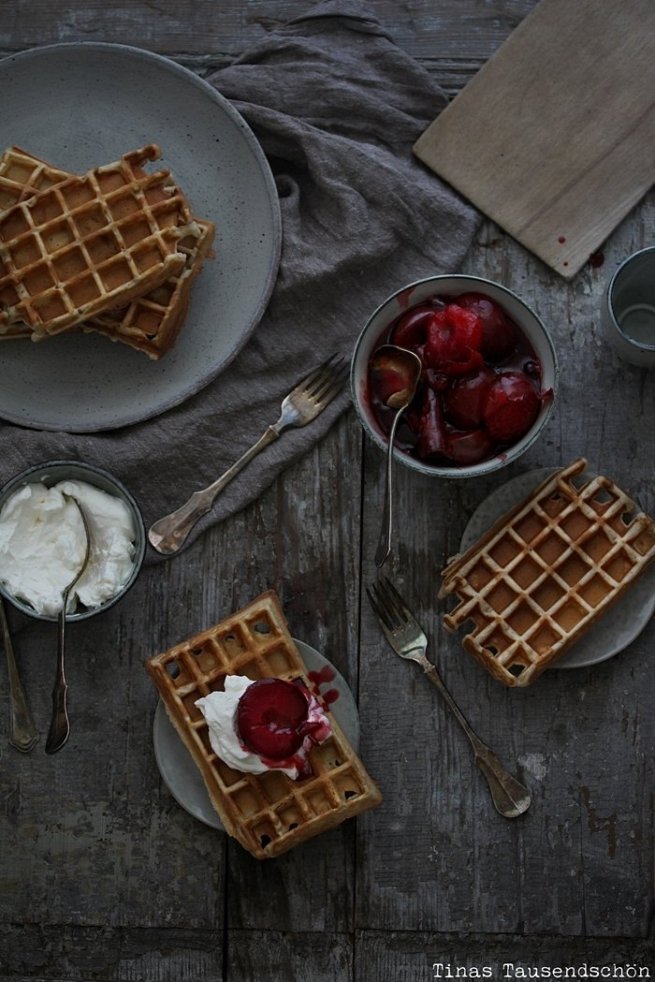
(400, 370)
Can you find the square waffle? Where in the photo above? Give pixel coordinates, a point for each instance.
(546, 571)
(150, 323)
(267, 813)
(90, 244)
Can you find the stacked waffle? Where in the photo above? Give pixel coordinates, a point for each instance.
(546, 571)
(267, 813)
(114, 251)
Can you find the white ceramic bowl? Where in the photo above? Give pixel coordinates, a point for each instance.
(52, 472)
(374, 334)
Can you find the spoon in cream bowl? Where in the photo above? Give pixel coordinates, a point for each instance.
(399, 370)
(60, 723)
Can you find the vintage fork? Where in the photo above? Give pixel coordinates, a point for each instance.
(408, 639)
(303, 404)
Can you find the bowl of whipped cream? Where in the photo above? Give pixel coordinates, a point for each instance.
(43, 539)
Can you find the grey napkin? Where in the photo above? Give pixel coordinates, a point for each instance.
(336, 106)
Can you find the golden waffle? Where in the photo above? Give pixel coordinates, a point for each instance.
(153, 322)
(89, 244)
(150, 323)
(267, 813)
(545, 572)
(22, 175)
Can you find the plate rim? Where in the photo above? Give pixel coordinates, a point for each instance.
(133, 415)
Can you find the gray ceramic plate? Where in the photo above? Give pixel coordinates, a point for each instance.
(182, 777)
(79, 105)
(618, 626)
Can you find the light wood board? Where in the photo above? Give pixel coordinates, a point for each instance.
(554, 137)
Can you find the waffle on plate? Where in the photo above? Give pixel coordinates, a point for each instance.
(546, 571)
(267, 813)
(84, 246)
(150, 323)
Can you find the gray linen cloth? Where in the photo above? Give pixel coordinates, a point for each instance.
(336, 106)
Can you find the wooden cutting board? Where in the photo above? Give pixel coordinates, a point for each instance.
(554, 138)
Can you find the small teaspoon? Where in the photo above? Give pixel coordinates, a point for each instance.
(406, 366)
(60, 723)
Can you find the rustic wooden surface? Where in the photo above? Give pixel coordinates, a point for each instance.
(104, 877)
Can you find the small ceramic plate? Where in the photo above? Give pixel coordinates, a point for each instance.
(182, 777)
(618, 626)
(81, 105)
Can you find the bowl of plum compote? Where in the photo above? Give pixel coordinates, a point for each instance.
(487, 383)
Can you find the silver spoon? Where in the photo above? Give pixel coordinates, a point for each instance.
(407, 366)
(60, 724)
(22, 731)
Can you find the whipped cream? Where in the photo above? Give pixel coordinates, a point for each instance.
(219, 710)
(42, 545)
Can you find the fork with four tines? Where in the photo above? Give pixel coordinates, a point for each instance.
(302, 405)
(408, 639)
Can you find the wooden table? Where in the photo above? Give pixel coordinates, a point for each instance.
(103, 876)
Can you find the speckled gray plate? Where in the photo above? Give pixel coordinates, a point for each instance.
(182, 777)
(618, 626)
(79, 105)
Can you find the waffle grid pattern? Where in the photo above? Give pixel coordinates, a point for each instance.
(267, 813)
(150, 323)
(90, 243)
(22, 175)
(543, 574)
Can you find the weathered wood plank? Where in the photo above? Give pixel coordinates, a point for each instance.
(302, 539)
(425, 29)
(428, 956)
(272, 956)
(574, 863)
(101, 954)
(92, 830)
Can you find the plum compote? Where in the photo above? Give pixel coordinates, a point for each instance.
(273, 718)
(480, 388)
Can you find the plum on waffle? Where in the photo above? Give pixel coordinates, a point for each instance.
(546, 571)
(267, 813)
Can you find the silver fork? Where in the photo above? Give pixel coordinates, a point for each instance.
(408, 639)
(302, 405)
